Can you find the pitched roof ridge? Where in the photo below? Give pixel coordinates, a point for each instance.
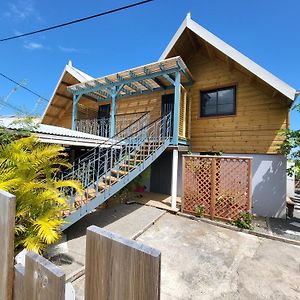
(231, 52)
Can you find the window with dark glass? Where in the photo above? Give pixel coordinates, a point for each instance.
(218, 102)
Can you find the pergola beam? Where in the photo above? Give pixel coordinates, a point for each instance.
(99, 86)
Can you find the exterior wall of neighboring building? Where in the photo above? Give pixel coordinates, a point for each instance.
(268, 184)
(290, 182)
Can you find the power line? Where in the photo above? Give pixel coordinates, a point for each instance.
(76, 21)
(24, 87)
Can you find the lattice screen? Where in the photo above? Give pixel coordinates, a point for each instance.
(221, 185)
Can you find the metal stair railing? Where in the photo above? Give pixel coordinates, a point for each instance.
(105, 172)
(140, 123)
(101, 126)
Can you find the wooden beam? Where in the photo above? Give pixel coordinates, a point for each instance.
(66, 83)
(210, 50)
(251, 78)
(230, 63)
(275, 93)
(159, 82)
(70, 98)
(192, 40)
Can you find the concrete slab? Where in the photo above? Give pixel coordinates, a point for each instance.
(157, 200)
(126, 220)
(203, 261)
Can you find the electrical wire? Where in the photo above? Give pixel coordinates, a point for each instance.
(75, 21)
(24, 87)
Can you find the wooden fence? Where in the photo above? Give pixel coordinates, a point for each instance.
(116, 268)
(216, 186)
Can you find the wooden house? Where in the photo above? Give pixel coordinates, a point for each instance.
(219, 101)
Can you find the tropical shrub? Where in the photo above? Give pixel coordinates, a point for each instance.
(244, 220)
(27, 170)
(291, 147)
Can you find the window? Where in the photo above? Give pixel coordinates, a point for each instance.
(219, 102)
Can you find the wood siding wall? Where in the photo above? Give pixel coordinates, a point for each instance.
(259, 114)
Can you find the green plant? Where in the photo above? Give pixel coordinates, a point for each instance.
(199, 210)
(291, 147)
(27, 170)
(21, 127)
(244, 220)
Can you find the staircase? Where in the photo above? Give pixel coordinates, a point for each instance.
(113, 164)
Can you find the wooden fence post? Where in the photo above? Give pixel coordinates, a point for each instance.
(43, 280)
(183, 171)
(19, 289)
(119, 268)
(249, 204)
(7, 232)
(213, 188)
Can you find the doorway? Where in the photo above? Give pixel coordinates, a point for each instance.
(167, 106)
(104, 120)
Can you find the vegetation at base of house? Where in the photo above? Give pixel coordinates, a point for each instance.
(27, 170)
(199, 210)
(291, 147)
(244, 220)
(125, 193)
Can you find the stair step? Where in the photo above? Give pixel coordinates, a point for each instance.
(112, 179)
(124, 166)
(121, 172)
(90, 193)
(102, 185)
(135, 160)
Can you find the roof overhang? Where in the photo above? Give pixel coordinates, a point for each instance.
(79, 75)
(54, 134)
(232, 53)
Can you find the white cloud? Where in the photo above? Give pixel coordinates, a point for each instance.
(71, 49)
(33, 46)
(21, 10)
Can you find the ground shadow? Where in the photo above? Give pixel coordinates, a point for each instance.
(101, 218)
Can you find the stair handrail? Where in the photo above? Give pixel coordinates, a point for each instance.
(86, 168)
(109, 141)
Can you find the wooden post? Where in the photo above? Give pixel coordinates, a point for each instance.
(18, 292)
(43, 280)
(213, 188)
(249, 204)
(119, 268)
(7, 232)
(183, 182)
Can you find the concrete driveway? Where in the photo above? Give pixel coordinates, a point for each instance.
(203, 261)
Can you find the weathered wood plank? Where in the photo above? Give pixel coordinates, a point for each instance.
(18, 292)
(119, 268)
(7, 228)
(43, 280)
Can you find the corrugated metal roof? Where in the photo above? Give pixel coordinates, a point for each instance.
(9, 122)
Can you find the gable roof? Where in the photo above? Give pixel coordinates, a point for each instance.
(76, 73)
(232, 53)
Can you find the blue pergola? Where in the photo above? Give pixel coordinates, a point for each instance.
(159, 76)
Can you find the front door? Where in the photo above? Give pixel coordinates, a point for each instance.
(103, 120)
(167, 106)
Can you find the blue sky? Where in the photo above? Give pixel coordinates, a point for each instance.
(266, 31)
